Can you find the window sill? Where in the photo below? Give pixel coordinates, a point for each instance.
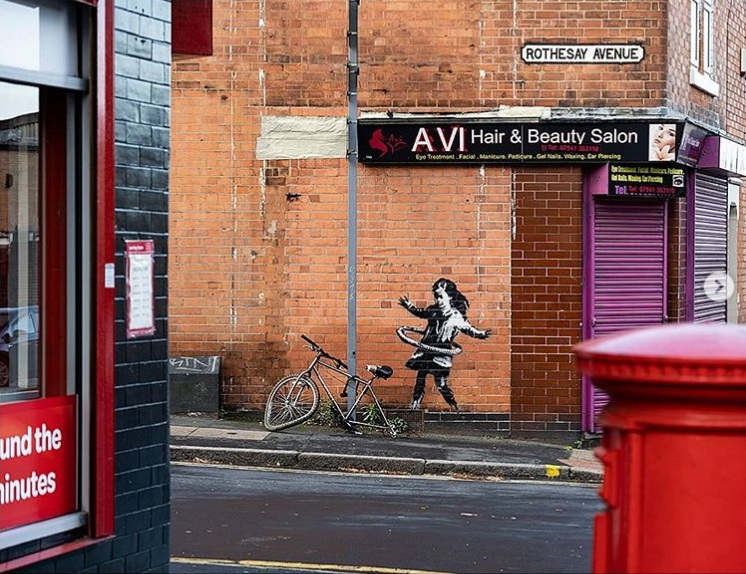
(703, 82)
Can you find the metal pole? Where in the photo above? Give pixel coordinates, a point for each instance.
(352, 74)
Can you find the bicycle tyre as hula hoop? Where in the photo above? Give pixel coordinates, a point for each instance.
(401, 333)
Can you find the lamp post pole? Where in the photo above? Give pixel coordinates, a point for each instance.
(352, 154)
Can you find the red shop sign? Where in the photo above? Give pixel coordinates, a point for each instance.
(37, 460)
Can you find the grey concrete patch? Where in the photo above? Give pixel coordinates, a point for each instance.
(209, 420)
(323, 461)
(584, 461)
(225, 433)
(587, 455)
(181, 431)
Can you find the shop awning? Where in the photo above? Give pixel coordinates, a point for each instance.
(723, 154)
(704, 149)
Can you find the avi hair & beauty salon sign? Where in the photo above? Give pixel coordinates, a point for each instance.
(38, 457)
(582, 53)
(390, 142)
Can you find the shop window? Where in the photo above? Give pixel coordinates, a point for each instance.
(702, 48)
(48, 313)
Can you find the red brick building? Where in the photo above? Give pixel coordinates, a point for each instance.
(550, 245)
(84, 163)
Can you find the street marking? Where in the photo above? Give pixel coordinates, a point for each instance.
(552, 470)
(301, 566)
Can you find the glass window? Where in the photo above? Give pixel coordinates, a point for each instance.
(707, 31)
(694, 34)
(702, 49)
(47, 32)
(20, 234)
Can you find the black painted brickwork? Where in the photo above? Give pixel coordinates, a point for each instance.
(142, 91)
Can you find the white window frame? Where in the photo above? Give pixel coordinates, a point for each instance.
(702, 48)
(696, 26)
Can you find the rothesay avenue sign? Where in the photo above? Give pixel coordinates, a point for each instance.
(582, 53)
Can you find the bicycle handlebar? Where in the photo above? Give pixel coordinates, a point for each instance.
(318, 349)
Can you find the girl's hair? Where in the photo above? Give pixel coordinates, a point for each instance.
(458, 300)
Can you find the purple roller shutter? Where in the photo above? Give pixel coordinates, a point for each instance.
(710, 243)
(628, 275)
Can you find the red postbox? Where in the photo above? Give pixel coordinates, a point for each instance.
(673, 448)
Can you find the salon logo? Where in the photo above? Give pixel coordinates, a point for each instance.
(385, 145)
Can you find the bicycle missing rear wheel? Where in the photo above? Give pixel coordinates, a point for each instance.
(294, 399)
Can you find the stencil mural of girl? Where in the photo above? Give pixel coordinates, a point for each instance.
(436, 348)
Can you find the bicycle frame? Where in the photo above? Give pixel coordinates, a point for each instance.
(314, 372)
(294, 399)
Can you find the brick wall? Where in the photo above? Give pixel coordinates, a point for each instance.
(731, 45)
(546, 300)
(728, 110)
(244, 233)
(259, 247)
(465, 54)
(224, 217)
(677, 247)
(416, 225)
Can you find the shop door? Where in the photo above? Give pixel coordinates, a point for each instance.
(710, 244)
(627, 277)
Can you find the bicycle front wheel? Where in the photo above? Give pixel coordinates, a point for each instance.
(294, 399)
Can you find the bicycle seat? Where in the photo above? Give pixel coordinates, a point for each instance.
(382, 372)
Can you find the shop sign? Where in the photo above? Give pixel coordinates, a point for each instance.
(582, 53)
(387, 142)
(646, 180)
(692, 142)
(37, 460)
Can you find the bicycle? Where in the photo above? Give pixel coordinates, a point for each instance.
(294, 399)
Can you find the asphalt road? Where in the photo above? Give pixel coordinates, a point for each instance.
(227, 519)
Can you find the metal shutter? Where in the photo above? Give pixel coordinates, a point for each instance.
(629, 271)
(710, 243)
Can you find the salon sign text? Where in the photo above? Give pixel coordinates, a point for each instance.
(582, 53)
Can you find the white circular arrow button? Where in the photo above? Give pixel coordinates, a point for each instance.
(719, 286)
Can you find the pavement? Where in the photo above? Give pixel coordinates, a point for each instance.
(209, 439)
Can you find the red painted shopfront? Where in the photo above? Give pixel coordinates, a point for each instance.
(56, 398)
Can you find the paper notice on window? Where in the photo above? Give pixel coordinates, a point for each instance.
(140, 280)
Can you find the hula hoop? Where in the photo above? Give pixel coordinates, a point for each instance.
(455, 350)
